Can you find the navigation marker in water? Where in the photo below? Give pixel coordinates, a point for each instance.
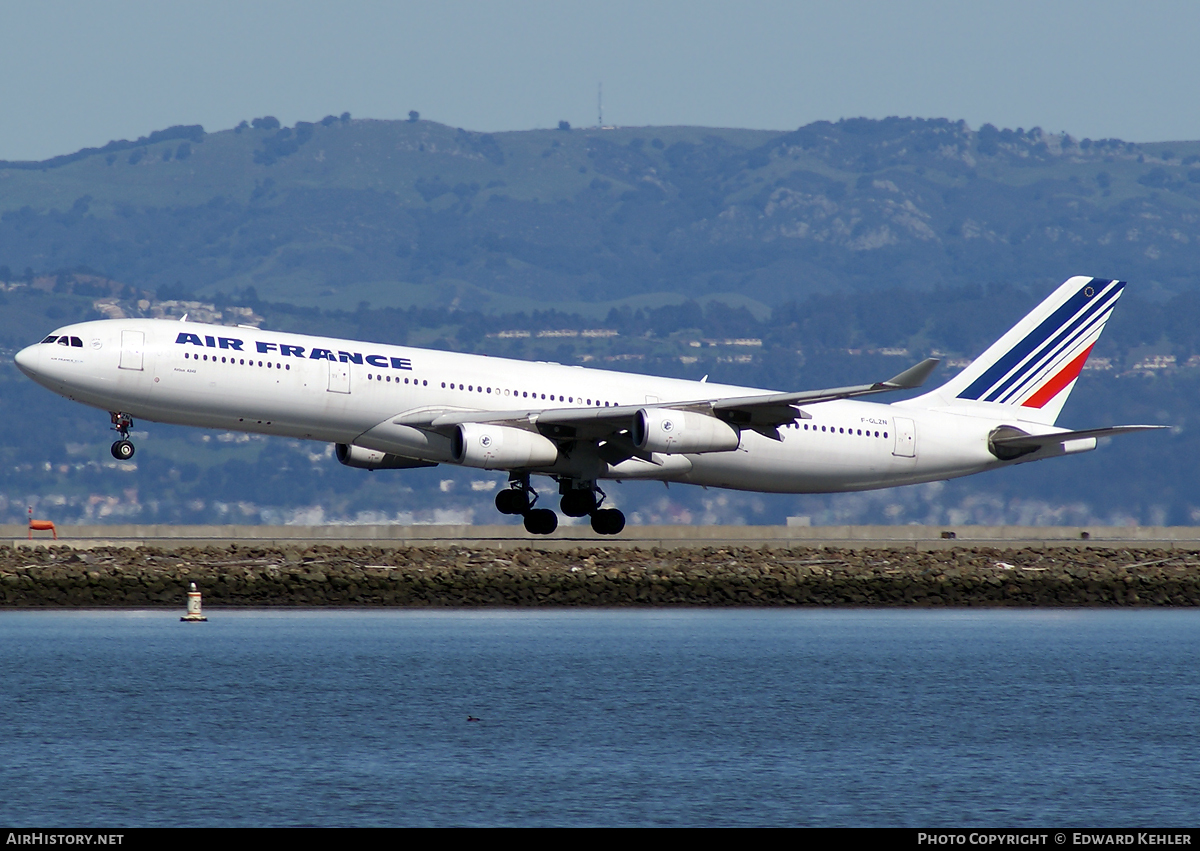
(193, 607)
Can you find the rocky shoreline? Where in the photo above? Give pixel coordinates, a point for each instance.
(471, 577)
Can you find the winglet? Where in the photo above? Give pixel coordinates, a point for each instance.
(912, 377)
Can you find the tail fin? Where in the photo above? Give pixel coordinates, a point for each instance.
(1034, 366)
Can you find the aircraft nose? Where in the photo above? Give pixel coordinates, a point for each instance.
(27, 360)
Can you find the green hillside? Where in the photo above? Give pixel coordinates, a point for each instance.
(416, 213)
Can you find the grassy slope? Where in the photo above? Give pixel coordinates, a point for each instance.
(578, 222)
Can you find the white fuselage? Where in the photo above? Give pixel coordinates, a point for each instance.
(340, 391)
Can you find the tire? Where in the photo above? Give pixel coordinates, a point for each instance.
(541, 521)
(122, 450)
(509, 501)
(578, 503)
(608, 521)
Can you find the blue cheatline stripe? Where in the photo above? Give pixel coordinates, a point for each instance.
(1096, 313)
(1035, 338)
(1050, 354)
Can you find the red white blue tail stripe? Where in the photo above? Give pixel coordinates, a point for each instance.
(1050, 356)
(1036, 363)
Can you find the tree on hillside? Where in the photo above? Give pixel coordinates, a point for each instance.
(413, 115)
(564, 125)
(989, 139)
(1159, 178)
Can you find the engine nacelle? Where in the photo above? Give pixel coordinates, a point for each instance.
(495, 447)
(673, 432)
(369, 459)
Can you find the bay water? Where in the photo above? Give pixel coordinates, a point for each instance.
(955, 718)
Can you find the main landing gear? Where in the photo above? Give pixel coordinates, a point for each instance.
(519, 498)
(584, 499)
(122, 450)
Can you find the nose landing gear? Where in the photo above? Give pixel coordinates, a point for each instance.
(122, 450)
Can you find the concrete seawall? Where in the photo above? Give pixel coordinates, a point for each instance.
(769, 566)
(568, 537)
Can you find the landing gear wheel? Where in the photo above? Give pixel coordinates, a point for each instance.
(122, 450)
(579, 502)
(541, 521)
(512, 501)
(608, 521)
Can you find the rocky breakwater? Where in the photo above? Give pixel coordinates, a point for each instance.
(242, 575)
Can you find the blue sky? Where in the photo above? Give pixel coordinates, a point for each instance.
(76, 74)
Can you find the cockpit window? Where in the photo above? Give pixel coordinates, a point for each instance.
(76, 342)
(64, 341)
(50, 339)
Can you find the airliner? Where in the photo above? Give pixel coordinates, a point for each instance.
(398, 407)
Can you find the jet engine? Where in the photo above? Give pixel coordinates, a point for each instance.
(495, 447)
(369, 459)
(672, 432)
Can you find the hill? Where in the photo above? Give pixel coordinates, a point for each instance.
(407, 213)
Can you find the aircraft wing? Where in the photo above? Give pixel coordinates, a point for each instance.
(764, 412)
(779, 408)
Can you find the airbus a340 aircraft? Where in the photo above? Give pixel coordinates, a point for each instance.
(395, 407)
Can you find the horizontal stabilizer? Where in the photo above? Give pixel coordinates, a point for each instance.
(1035, 441)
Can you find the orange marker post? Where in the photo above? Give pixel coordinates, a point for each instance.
(40, 525)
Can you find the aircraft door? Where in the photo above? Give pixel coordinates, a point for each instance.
(133, 345)
(906, 438)
(339, 377)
